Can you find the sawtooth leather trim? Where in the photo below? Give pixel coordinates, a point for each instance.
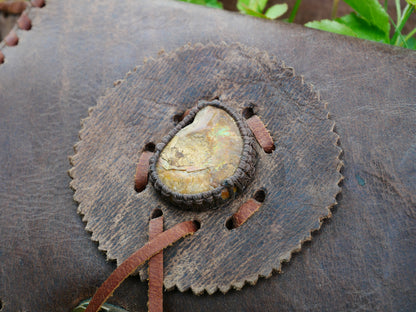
(153, 247)
(11, 39)
(24, 22)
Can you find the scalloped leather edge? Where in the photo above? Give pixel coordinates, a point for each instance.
(252, 279)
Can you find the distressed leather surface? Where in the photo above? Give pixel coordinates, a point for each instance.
(362, 259)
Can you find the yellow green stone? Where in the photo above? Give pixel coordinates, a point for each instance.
(201, 155)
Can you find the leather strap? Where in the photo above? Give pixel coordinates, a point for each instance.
(155, 293)
(142, 170)
(160, 242)
(261, 133)
(245, 211)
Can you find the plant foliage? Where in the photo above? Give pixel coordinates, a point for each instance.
(370, 21)
(256, 8)
(208, 3)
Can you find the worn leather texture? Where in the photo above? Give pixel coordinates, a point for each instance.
(299, 180)
(362, 259)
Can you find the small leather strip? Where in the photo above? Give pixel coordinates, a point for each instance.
(142, 171)
(155, 294)
(261, 133)
(245, 211)
(160, 242)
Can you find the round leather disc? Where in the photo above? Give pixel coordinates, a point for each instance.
(300, 178)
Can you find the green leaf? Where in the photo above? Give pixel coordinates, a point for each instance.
(276, 11)
(373, 12)
(251, 5)
(246, 10)
(200, 2)
(241, 4)
(332, 26)
(246, 2)
(411, 43)
(411, 2)
(208, 3)
(397, 36)
(213, 4)
(259, 5)
(362, 28)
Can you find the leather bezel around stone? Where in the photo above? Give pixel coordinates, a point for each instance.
(229, 187)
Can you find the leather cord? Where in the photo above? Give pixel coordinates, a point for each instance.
(142, 171)
(261, 133)
(155, 293)
(153, 247)
(245, 211)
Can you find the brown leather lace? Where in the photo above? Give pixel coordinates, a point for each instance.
(155, 293)
(261, 133)
(142, 171)
(153, 247)
(245, 211)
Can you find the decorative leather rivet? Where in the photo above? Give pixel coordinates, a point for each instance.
(207, 158)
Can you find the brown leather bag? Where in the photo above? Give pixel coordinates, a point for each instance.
(362, 258)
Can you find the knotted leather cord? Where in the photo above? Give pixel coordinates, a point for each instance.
(153, 247)
(155, 292)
